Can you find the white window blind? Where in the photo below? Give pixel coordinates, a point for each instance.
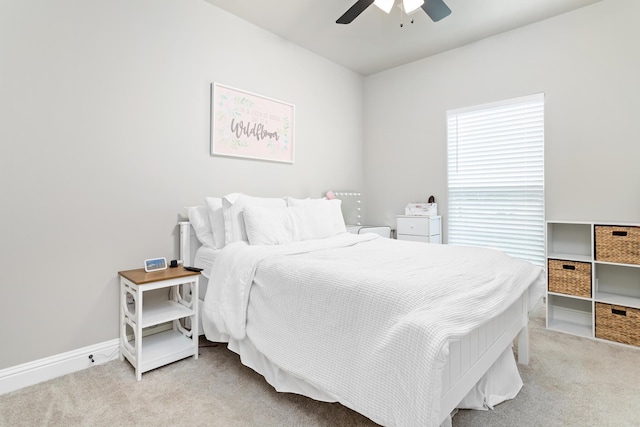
(496, 176)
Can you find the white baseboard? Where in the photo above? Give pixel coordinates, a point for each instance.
(27, 374)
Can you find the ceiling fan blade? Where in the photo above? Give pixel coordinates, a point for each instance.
(354, 11)
(436, 9)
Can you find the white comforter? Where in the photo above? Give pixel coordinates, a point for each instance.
(364, 318)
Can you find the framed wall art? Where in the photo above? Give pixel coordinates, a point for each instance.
(251, 126)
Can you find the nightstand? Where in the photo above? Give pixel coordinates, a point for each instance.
(419, 228)
(381, 230)
(141, 309)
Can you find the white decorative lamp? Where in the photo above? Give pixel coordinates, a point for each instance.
(411, 6)
(385, 5)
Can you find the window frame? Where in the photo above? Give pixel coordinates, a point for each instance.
(482, 141)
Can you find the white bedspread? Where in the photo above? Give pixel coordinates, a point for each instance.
(364, 318)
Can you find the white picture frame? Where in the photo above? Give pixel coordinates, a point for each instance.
(251, 126)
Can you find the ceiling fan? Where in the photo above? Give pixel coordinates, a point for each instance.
(436, 9)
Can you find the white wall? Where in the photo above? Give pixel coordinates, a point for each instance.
(104, 138)
(586, 62)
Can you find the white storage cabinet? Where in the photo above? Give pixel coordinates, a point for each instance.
(612, 284)
(419, 228)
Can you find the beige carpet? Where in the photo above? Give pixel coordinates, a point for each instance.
(570, 382)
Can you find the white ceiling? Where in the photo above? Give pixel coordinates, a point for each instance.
(375, 41)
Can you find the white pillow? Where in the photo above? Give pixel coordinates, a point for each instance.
(199, 219)
(232, 207)
(216, 221)
(324, 216)
(272, 226)
(292, 202)
(275, 226)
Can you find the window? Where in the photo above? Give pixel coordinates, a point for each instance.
(496, 176)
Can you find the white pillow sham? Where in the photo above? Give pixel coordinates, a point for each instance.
(292, 202)
(216, 221)
(232, 206)
(199, 219)
(275, 226)
(327, 213)
(272, 226)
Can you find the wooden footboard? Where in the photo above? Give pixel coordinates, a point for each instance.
(472, 356)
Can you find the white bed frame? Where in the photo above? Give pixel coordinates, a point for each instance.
(469, 358)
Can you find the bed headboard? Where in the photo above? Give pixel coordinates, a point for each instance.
(189, 243)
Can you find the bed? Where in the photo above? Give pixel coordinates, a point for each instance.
(402, 332)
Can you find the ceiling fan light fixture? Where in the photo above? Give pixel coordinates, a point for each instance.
(411, 6)
(436, 9)
(385, 5)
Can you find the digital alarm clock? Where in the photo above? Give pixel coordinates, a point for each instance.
(155, 264)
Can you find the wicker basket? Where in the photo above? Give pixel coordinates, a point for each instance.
(617, 244)
(616, 323)
(570, 277)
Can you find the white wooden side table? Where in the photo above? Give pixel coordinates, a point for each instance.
(140, 309)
